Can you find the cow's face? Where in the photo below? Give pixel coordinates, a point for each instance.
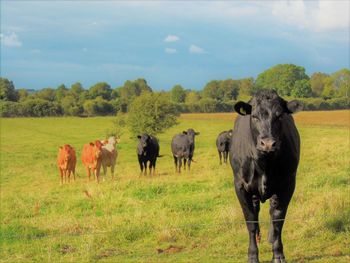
(67, 154)
(267, 110)
(98, 150)
(144, 142)
(228, 135)
(190, 135)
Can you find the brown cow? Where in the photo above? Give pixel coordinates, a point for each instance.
(109, 155)
(91, 158)
(66, 161)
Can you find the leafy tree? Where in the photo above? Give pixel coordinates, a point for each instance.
(41, 108)
(192, 97)
(341, 82)
(61, 92)
(7, 90)
(75, 90)
(317, 82)
(246, 86)
(328, 92)
(70, 106)
(46, 94)
(151, 113)
(22, 94)
(302, 89)
(212, 90)
(178, 94)
(281, 77)
(101, 89)
(98, 106)
(208, 105)
(229, 89)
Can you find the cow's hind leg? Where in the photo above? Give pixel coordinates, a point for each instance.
(185, 160)
(225, 156)
(112, 171)
(179, 162)
(61, 174)
(250, 210)
(220, 157)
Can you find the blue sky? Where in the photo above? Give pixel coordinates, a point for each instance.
(47, 43)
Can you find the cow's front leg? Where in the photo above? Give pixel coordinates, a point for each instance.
(185, 161)
(251, 215)
(278, 210)
(145, 168)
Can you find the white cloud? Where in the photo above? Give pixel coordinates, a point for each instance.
(171, 38)
(323, 15)
(10, 40)
(196, 49)
(170, 50)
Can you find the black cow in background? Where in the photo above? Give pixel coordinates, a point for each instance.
(147, 151)
(265, 150)
(223, 144)
(182, 147)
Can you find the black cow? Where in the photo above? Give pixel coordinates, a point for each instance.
(182, 147)
(265, 150)
(223, 144)
(147, 150)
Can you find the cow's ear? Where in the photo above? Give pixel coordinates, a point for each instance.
(92, 144)
(184, 132)
(139, 136)
(243, 108)
(197, 133)
(294, 106)
(61, 147)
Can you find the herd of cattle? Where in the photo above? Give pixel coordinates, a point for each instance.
(103, 153)
(264, 151)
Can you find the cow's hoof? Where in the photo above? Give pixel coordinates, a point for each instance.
(279, 260)
(253, 260)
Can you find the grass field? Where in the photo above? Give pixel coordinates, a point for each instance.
(188, 217)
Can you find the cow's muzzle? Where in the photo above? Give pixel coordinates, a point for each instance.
(267, 145)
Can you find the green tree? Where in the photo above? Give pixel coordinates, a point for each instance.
(341, 82)
(46, 94)
(212, 90)
(7, 90)
(101, 89)
(246, 86)
(302, 89)
(192, 97)
(76, 90)
(317, 82)
(61, 92)
(281, 77)
(70, 106)
(229, 89)
(151, 113)
(178, 94)
(22, 94)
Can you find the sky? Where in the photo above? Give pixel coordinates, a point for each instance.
(48, 43)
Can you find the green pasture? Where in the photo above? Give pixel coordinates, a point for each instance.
(188, 217)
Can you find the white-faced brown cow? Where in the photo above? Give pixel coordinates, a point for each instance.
(109, 155)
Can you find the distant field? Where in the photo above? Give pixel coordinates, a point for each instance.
(188, 217)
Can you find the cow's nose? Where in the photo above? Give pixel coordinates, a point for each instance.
(267, 144)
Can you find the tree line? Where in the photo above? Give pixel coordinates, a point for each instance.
(320, 91)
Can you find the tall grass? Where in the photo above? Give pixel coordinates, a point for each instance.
(188, 217)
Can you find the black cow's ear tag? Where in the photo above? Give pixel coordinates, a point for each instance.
(243, 108)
